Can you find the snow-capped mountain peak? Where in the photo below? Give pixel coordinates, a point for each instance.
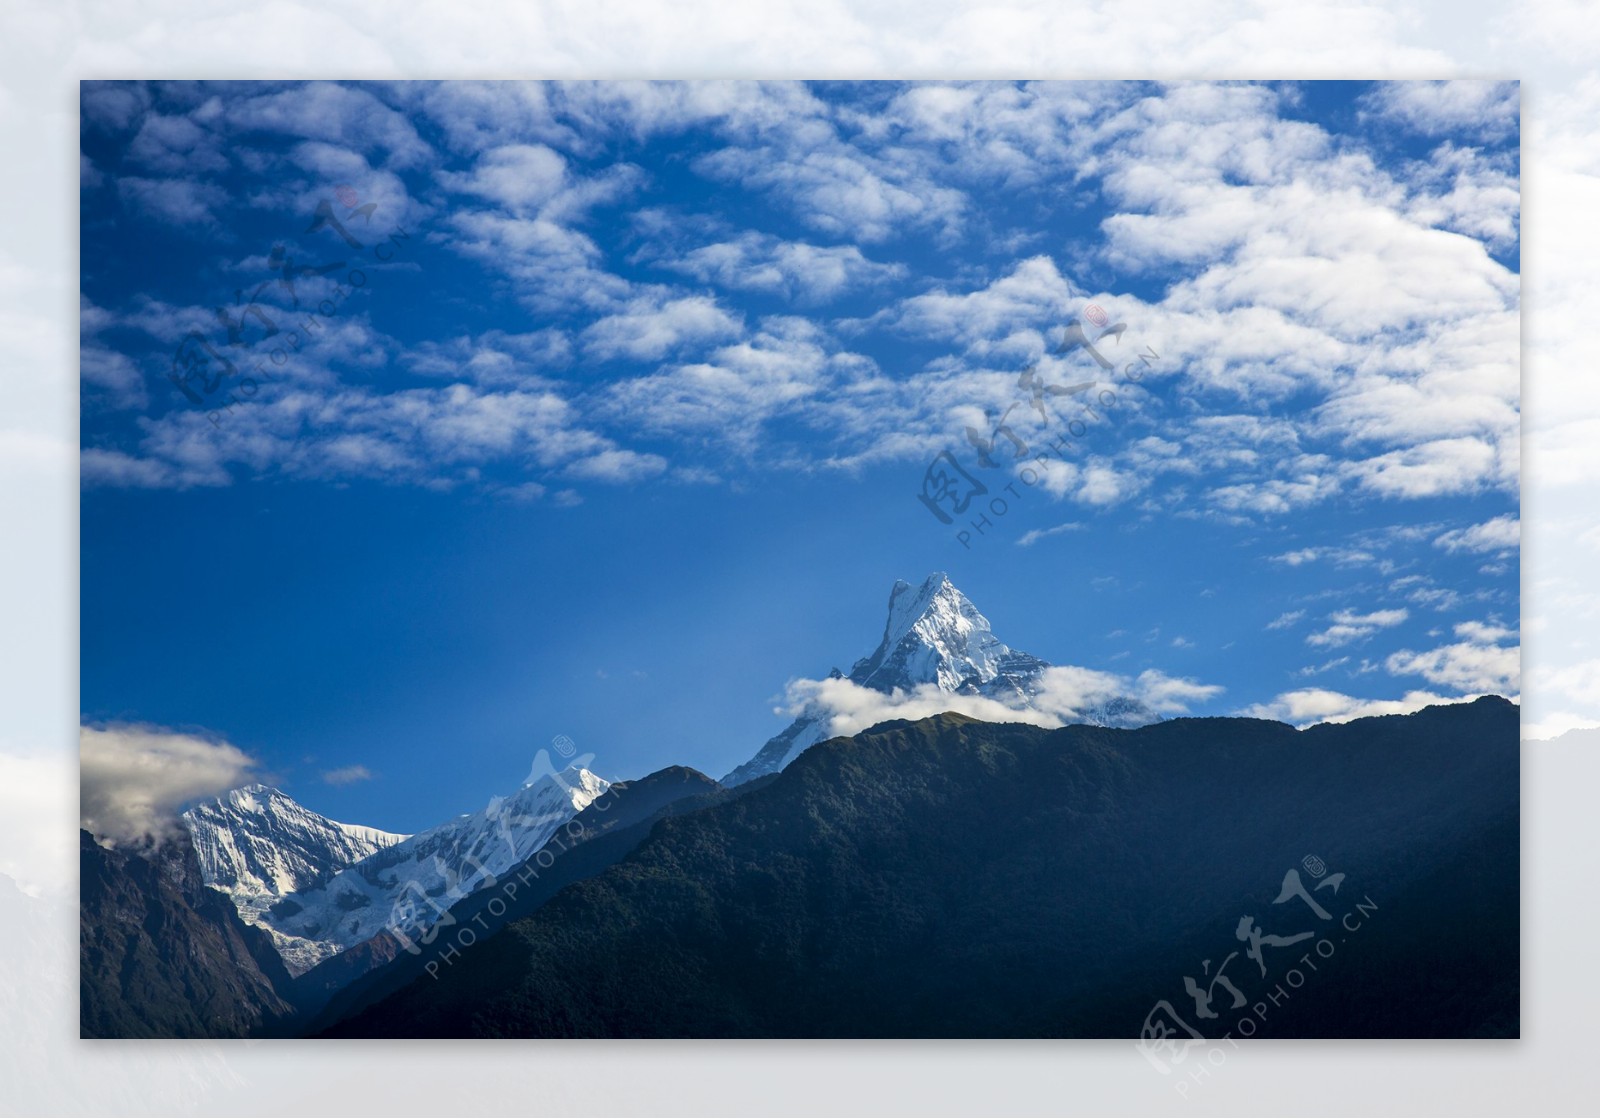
(934, 635)
(410, 885)
(257, 844)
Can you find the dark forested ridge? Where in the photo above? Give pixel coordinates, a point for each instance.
(599, 836)
(954, 878)
(164, 955)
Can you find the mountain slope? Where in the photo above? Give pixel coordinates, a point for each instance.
(256, 844)
(410, 885)
(163, 955)
(955, 878)
(596, 838)
(934, 635)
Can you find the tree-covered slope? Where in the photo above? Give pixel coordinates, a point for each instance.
(955, 878)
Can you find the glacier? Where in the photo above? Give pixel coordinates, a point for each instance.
(262, 849)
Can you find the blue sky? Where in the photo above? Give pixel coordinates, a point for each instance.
(622, 430)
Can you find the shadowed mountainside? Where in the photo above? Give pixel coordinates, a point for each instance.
(599, 836)
(163, 955)
(955, 878)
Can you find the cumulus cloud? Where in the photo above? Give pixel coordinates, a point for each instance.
(346, 775)
(532, 179)
(1484, 108)
(135, 778)
(1307, 706)
(650, 327)
(1479, 662)
(1350, 626)
(1017, 306)
(1343, 557)
(1065, 694)
(733, 394)
(618, 466)
(1294, 265)
(799, 271)
(182, 202)
(839, 188)
(1499, 535)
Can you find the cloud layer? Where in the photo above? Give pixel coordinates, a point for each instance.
(1065, 694)
(135, 779)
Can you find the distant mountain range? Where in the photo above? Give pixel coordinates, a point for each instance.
(945, 877)
(320, 887)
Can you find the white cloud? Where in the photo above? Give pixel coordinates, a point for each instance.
(1306, 270)
(350, 117)
(1286, 619)
(1484, 633)
(1306, 706)
(534, 180)
(135, 779)
(318, 428)
(174, 144)
(1033, 536)
(521, 177)
(182, 202)
(1501, 534)
(495, 359)
(1467, 665)
(805, 273)
(1342, 556)
(841, 189)
(1478, 663)
(346, 775)
(1350, 626)
(652, 326)
(1438, 468)
(780, 370)
(1065, 692)
(1305, 267)
(619, 466)
(1433, 108)
(115, 372)
(1015, 308)
(1325, 666)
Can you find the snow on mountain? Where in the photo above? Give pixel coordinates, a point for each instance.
(934, 635)
(408, 886)
(257, 844)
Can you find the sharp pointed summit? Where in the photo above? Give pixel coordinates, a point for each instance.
(934, 635)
